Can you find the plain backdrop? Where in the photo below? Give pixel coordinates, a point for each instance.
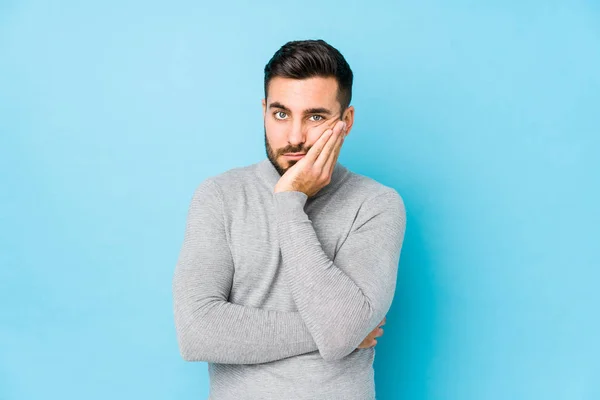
(484, 116)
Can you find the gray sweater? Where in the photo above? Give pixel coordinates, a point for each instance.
(277, 290)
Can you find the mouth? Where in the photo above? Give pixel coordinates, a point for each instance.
(294, 156)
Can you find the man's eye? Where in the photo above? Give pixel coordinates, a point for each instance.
(320, 116)
(278, 112)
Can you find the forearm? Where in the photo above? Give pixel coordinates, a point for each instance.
(214, 330)
(333, 307)
(209, 328)
(341, 301)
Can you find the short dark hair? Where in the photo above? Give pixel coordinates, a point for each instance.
(300, 59)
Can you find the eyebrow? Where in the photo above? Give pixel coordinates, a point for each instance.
(317, 110)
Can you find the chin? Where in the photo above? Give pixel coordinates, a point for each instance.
(283, 162)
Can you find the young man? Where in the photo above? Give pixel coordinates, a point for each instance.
(288, 266)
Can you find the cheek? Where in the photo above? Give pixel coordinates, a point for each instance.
(276, 136)
(312, 136)
(314, 132)
(272, 126)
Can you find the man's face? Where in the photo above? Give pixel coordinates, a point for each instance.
(296, 113)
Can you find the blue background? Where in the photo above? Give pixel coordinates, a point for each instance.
(484, 117)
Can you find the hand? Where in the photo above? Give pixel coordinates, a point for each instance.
(370, 340)
(313, 171)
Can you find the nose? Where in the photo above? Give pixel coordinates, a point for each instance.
(296, 135)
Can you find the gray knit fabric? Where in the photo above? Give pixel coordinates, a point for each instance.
(277, 290)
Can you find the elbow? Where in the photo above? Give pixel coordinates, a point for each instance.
(335, 348)
(191, 330)
(188, 350)
(334, 353)
(189, 356)
(194, 346)
(195, 336)
(185, 354)
(191, 337)
(329, 355)
(345, 339)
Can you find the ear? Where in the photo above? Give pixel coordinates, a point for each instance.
(264, 107)
(348, 117)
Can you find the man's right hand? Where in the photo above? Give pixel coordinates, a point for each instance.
(370, 340)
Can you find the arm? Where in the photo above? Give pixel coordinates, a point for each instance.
(341, 301)
(209, 328)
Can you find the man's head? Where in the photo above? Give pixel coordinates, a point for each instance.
(308, 88)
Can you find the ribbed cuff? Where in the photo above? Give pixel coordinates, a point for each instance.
(289, 206)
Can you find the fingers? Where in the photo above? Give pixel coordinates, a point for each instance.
(371, 339)
(333, 156)
(318, 146)
(378, 333)
(327, 157)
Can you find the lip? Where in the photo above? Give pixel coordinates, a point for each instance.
(295, 156)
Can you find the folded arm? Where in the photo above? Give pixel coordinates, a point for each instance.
(209, 328)
(341, 300)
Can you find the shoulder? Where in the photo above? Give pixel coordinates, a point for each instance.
(231, 179)
(373, 194)
(379, 205)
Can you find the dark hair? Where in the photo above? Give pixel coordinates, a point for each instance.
(302, 59)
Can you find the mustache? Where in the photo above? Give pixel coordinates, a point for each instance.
(293, 150)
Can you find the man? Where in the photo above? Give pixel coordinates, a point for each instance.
(288, 266)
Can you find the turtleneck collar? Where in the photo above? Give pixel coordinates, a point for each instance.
(270, 175)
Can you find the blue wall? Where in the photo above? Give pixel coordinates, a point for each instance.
(485, 118)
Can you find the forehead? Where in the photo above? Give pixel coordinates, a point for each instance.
(298, 94)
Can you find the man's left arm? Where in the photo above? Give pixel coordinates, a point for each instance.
(341, 301)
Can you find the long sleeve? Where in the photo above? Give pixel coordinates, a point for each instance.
(209, 328)
(341, 300)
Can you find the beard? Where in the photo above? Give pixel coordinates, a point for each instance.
(272, 155)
